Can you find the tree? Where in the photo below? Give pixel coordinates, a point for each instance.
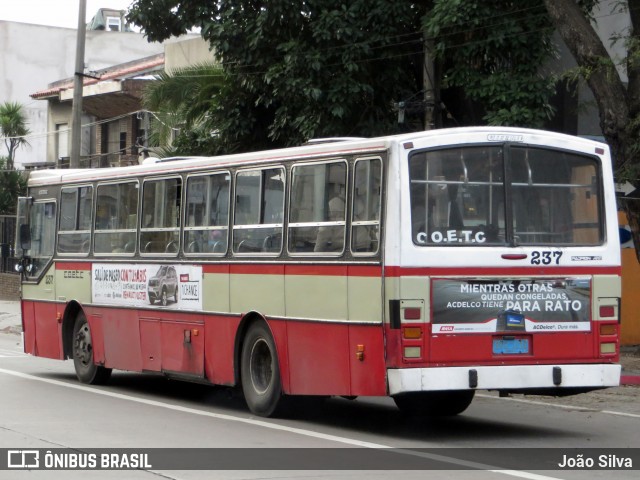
(13, 183)
(492, 53)
(313, 68)
(182, 101)
(13, 128)
(300, 69)
(618, 101)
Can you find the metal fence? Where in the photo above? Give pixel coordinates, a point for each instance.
(7, 242)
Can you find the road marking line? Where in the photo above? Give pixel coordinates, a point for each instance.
(275, 426)
(567, 407)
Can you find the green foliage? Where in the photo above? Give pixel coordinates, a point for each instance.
(13, 127)
(301, 69)
(297, 69)
(181, 102)
(494, 51)
(13, 184)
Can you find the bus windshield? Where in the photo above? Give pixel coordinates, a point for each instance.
(504, 195)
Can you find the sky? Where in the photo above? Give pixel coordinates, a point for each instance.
(58, 13)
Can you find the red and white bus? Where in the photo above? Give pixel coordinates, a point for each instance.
(423, 267)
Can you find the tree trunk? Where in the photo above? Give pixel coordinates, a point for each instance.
(598, 70)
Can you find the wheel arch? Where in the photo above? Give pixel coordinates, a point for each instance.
(248, 319)
(68, 320)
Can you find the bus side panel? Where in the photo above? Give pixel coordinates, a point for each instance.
(48, 331)
(121, 339)
(97, 337)
(219, 337)
(319, 358)
(280, 332)
(29, 327)
(183, 344)
(367, 363)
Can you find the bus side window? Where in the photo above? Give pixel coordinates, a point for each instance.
(160, 230)
(116, 218)
(259, 211)
(76, 209)
(317, 215)
(207, 214)
(365, 219)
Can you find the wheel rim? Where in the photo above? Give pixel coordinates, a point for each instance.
(82, 346)
(164, 297)
(261, 366)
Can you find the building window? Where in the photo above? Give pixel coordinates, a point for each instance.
(113, 24)
(62, 140)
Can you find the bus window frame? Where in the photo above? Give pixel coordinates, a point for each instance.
(378, 222)
(343, 223)
(209, 228)
(72, 232)
(142, 229)
(510, 240)
(129, 230)
(35, 279)
(232, 220)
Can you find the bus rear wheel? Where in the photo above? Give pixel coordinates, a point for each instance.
(260, 373)
(434, 404)
(86, 370)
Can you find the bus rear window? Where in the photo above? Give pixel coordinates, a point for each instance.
(459, 196)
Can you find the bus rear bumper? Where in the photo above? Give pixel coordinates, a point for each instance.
(511, 377)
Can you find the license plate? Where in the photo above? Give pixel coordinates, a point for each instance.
(510, 346)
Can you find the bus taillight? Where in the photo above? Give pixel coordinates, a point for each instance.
(607, 311)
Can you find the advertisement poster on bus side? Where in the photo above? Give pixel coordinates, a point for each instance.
(523, 305)
(165, 286)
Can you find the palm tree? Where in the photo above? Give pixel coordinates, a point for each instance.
(13, 127)
(181, 101)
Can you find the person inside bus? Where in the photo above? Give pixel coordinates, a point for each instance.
(330, 238)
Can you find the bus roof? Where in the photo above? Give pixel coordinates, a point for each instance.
(325, 148)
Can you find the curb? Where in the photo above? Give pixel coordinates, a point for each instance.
(630, 380)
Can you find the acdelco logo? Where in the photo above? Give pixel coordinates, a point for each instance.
(447, 328)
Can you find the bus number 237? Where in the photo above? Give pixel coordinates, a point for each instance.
(545, 258)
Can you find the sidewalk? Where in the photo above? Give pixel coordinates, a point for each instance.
(10, 322)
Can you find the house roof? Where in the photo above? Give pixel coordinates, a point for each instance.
(110, 92)
(119, 72)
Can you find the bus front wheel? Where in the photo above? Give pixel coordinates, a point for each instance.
(434, 404)
(260, 373)
(86, 370)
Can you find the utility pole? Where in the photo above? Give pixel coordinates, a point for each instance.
(78, 79)
(428, 84)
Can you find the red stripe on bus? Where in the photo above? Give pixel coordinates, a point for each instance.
(216, 268)
(73, 265)
(498, 271)
(256, 269)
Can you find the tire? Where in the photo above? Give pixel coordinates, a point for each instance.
(86, 370)
(152, 299)
(260, 373)
(434, 404)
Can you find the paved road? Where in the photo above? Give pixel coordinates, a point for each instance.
(43, 406)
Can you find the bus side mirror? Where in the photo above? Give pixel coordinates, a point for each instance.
(25, 237)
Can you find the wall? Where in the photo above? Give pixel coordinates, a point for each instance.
(630, 322)
(9, 286)
(184, 53)
(33, 56)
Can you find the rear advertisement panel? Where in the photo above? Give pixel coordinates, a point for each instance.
(516, 305)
